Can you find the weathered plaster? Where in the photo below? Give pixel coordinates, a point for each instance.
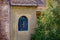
(4, 20)
(16, 13)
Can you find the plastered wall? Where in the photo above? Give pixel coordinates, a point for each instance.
(16, 13)
(4, 21)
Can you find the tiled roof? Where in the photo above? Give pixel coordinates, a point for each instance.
(28, 2)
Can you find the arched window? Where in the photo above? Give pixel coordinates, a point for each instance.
(23, 23)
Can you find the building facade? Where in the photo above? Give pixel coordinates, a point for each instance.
(18, 18)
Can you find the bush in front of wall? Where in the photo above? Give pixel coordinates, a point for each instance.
(48, 23)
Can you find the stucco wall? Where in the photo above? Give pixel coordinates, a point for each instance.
(16, 13)
(4, 21)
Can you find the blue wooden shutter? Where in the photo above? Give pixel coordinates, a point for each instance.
(25, 24)
(21, 26)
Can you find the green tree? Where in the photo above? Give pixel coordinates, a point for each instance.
(48, 23)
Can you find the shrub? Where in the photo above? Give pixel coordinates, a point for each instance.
(48, 23)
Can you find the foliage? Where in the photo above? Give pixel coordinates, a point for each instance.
(48, 23)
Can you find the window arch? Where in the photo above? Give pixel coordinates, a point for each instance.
(23, 23)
